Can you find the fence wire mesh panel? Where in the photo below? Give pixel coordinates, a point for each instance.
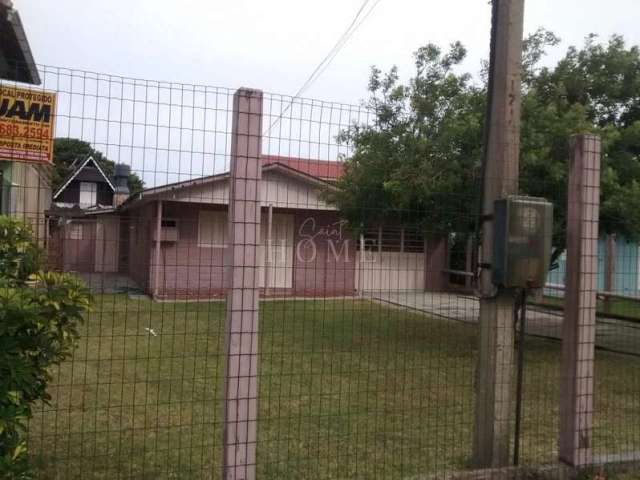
(260, 307)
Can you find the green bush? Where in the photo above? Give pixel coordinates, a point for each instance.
(20, 257)
(39, 317)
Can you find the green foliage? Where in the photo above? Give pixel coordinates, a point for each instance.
(419, 160)
(68, 150)
(595, 89)
(39, 317)
(19, 255)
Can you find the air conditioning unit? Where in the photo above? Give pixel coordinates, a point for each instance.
(168, 231)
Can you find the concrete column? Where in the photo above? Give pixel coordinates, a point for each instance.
(241, 327)
(361, 266)
(435, 258)
(610, 270)
(268, 251)
(468, 263)
(158, 246)
(579, 326)
(493, 430)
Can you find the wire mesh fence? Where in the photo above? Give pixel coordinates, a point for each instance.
(242, 318)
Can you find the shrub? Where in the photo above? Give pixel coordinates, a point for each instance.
(39, 317)
(20, 257)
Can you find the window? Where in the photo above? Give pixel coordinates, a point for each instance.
(75, 231)
(212, 229)
(393, 239)
(88, 194)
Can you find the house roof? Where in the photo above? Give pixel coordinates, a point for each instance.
(318, 172)
(323, 169)
(16, 59)
(74, 173)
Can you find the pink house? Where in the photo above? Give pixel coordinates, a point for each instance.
(171, 239)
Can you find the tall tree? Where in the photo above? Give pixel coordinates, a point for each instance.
(421, 155)
(418, 162)
(67, 150)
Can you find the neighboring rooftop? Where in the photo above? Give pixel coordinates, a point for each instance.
(323, 169)
(95, 174)
(16, 60)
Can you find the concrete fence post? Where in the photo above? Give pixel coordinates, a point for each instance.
(579, 326)
(609, 270)
(241, 327)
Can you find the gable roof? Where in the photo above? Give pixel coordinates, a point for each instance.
(284, 165)
(75, 173)
(324, 169)
(16, 58)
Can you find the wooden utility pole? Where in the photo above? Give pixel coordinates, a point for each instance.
(496, 350)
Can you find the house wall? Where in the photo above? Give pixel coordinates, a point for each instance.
(86, 245)
(71, 194)
(107, 243)
(186, 270)
(25, 193)
(626, 269)
(323, 256)
(137, 263)
(79, 246)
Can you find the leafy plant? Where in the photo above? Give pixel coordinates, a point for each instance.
(38, 329)
(419, 161)
(19, 255)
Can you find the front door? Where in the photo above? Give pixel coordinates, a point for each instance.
(276, 256)
(107, 244)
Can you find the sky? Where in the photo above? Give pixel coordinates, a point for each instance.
(275, 45)
(171, 132)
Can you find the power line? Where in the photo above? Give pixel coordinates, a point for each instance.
(350, 34)
(326, 61)
(334, 50)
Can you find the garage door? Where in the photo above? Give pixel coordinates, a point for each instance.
(389, 271)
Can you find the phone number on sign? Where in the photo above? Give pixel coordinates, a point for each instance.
(20, 131)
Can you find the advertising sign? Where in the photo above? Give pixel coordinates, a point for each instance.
(26, 124)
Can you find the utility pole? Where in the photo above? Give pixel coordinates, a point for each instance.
(500, 176)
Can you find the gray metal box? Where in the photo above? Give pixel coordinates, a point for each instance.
(523, 228)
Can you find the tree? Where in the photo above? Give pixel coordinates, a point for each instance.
(68, 150)
(421, 156)
(418, 163)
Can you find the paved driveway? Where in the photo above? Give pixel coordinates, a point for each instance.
(612, 334)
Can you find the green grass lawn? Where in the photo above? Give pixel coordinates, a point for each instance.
(348, 389)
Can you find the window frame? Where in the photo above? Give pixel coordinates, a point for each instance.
(76, 231)
(225, 230)
(93, 192)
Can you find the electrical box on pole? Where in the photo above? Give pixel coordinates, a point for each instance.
(523, 228)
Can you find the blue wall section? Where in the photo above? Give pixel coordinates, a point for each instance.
(626, 277)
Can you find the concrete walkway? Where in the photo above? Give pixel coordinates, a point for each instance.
(611, 334)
